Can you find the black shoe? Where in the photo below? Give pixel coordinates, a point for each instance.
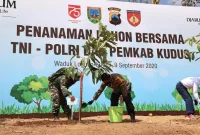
(55, 116)
(68, 114)
(75, 117)
(132, 116)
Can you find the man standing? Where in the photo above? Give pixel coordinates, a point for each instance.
(182, 88)
(58, 86)
(120, 87)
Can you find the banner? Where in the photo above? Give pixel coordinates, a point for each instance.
(39, 37)
(188, 3)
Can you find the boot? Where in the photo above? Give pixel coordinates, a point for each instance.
(55, 116)
(132, 116)
(68, 114)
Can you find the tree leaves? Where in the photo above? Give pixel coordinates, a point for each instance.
(72, 72)
(35, 86)
(83, 63)
(27, 96)
(44, 81)
(96, 47)
(46, 95)
(198, 47)
(31, 87)
(193, 55)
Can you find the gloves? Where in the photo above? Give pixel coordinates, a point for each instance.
(90, 102)
(72, 98)
(195, 102)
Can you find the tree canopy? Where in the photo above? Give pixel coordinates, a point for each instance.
(96, 61)
(31, 89)
(194, 55)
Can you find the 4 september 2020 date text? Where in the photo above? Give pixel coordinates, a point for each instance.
(135, 65)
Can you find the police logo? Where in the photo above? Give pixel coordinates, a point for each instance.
(114, 16)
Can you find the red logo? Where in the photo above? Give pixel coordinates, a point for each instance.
(74, 11)
(133, 17)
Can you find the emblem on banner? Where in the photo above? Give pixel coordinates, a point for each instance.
(114, 16)
(94, 14)
(74, 11)
(134, 17)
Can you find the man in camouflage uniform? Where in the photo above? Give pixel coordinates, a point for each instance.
(120, 87)
(58, 86)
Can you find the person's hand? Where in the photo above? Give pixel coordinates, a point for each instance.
(72, 98)
(90, 102)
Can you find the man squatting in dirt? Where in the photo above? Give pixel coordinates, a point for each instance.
(120, 87)
(182, 88)
(58, 86)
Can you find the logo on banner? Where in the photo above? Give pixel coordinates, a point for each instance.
(114, 16)
(193, 20)
(94, 14)
(74, 11)
(134, 17)
(6, 5)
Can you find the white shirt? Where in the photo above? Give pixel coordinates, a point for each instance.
(192, 83)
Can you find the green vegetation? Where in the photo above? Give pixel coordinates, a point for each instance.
(96, 62)
(31, 89)
(96, 49)
(178, 97)
(96, 107)
(193, 55)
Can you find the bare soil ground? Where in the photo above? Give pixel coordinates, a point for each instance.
(145, 125)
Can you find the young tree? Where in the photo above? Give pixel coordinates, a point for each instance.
(193, 55)
(31, 89)
(96, 62)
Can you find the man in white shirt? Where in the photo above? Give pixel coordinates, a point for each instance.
(182, 88)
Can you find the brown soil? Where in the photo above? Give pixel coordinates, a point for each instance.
(145, 125)
(89, 114)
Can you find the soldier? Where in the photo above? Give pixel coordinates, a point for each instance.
(58, 86)
(120, 87)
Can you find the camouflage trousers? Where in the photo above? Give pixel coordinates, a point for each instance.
(58, 100)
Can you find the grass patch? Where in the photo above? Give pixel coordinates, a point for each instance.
(95, 107)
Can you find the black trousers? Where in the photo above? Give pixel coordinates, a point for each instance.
(182, 90)
(129, 105)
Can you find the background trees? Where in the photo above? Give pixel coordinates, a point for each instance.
(31, 90)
